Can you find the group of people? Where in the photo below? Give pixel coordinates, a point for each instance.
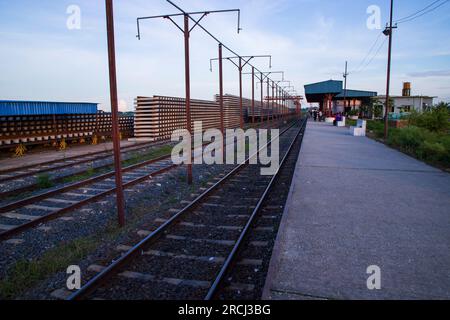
(317, 115)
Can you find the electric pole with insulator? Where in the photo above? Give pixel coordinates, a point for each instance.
(388, 32)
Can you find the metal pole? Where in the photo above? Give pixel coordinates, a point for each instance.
(188, 93)
(277, 105)
(241, 116)
(222, 121)
(273, 100)
(253, 94)
(345, 86)
(268, 102)
(262, 98)
(115, 112)
(388, 81)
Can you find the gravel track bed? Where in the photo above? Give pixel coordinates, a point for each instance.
(76, 169)
(198, 270)
(129, 289)
(147, 201)
(60, 201)
(273, 206)
(149, 198)
(212, 228)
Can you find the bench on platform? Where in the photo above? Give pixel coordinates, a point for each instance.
(360, 129)
(329, 120)
(341, 123)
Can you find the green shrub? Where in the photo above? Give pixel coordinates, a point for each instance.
(432, 151)
(435, 120)
(377, 127)
(43, 181)
(432, 147)
(408, 139)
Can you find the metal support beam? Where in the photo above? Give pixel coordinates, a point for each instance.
(388, 32)
(253, 94)
(222, 115)
(115, 111)
(262, 98)
(188, 93)
(241, 107)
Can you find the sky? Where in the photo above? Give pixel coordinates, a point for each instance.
(41, 58)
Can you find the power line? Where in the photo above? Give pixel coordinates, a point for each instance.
(415, 13)
(373, 57)
(422, 12)
(367, 55)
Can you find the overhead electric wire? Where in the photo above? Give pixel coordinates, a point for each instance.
(415, 13)
(422, 12)
(367, 55)
(373, 57)
(211, 35)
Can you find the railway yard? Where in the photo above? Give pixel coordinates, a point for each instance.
(198, 245)
(230, 188)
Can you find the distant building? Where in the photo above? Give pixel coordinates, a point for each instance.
(21, 108)
(406, 102)
(333, 99)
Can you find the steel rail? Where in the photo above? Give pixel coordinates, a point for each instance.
(114, 267)
(53, 215)
(123, 150)
(233, 255)
(32, 199)
(34, 186)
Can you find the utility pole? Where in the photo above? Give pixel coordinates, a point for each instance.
(242, 62)
(388, 32)
(186, 30)
(187, 76)
(115, 112)
(222, 113)
(345, 86)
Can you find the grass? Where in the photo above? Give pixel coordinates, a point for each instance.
(153, 154)
(44, 181)
(134, 159)
(428, 146)
(25, 274)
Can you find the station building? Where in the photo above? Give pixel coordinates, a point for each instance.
(333, 99)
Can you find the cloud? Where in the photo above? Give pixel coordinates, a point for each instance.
(432, 73)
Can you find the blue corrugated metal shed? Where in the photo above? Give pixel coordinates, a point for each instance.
(22, 108)
(325, 87)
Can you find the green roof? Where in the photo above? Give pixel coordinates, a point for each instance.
(356, 94)
(325, 87)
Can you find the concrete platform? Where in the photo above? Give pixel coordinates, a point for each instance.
(355, 203)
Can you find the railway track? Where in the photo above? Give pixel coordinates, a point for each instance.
(37, 168)
(20, 215)
(24, 180)
(188, 254)
(23, 187)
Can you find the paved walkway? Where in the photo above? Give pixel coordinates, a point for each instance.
(356, 203)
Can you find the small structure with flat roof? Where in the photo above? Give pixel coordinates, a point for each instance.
(333, 98)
